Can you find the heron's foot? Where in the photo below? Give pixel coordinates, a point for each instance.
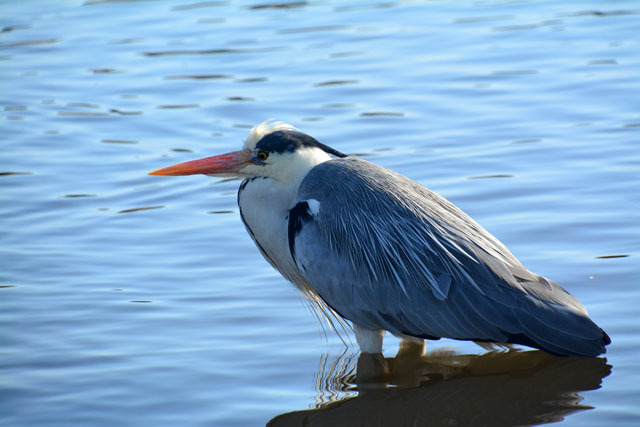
(372, 370)
(408, 368)
(412, 348)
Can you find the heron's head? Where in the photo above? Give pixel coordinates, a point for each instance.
(272, 149)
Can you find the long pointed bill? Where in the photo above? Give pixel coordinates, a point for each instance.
(224, 164)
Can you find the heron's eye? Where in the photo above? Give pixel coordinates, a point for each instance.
(262, 156)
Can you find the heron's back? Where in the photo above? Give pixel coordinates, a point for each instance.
(386, 252)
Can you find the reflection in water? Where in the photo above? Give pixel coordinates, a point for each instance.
(336, 377)
(444, 388)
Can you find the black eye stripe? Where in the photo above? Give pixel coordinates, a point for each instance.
(289, 141)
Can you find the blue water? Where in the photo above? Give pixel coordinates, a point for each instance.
(127, 299)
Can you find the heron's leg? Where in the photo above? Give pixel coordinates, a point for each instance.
(372, 371)
(369, 340)
(410, 346)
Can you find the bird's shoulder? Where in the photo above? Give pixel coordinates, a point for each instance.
(357, 211)
(374, 216)
(353, 181)
(364, 195)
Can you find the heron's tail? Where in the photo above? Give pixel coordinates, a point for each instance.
(559, 330)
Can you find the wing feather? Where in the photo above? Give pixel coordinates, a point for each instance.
(387, 253)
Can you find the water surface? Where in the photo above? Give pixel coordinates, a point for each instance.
(135, 300)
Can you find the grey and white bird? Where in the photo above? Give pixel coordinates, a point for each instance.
(387, 253)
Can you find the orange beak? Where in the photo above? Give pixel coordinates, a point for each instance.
(224, 164)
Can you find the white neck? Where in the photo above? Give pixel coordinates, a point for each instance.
(298, 165)
(265, 202)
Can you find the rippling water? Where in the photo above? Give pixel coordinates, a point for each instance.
(129, 299)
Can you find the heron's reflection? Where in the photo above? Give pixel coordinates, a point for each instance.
(444, 388)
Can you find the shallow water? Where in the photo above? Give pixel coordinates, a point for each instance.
(136, 300)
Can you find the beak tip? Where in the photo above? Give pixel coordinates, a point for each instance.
(163, 172)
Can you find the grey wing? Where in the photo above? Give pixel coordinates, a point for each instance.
(387, 253)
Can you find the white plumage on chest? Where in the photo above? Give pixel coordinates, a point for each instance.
(264, 207)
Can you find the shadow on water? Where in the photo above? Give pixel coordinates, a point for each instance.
(444, 388)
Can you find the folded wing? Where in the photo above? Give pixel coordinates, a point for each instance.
(388, 253)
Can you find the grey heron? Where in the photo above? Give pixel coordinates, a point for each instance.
(387, 253)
